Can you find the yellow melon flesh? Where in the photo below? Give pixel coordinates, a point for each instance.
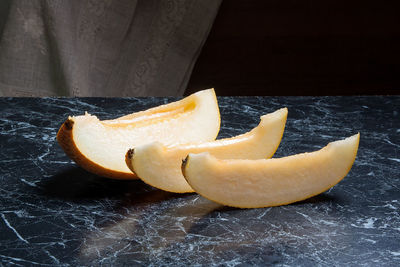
(160, 166)
(100, 146)
(270, 182)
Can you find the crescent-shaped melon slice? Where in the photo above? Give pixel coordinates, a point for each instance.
(100, 146)
(270, 182)
(160, 166)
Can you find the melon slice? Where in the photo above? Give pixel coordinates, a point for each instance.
(100, 146)
(270, 182)
(160, 166)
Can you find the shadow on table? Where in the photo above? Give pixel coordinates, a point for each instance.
(77, 185)
(321, 198)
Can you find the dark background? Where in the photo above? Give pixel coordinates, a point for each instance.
(301, 47)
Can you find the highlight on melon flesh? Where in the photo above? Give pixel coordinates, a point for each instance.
(270, 182)
(100, 146)
(160, 165)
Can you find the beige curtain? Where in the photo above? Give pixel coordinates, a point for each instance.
(101, 47)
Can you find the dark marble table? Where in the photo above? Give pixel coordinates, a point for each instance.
(54, 213)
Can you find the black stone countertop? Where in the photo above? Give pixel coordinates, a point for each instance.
(54, 213)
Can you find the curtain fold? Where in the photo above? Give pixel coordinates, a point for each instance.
(102, 47)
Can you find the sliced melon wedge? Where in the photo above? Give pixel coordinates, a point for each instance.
(100, 146)
(160, 166)
(270, 182)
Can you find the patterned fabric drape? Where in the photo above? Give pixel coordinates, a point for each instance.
(101, 47)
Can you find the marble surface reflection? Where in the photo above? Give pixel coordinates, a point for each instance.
(54, 213)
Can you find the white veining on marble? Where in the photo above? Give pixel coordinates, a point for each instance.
(53, 213)
(12, 228)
